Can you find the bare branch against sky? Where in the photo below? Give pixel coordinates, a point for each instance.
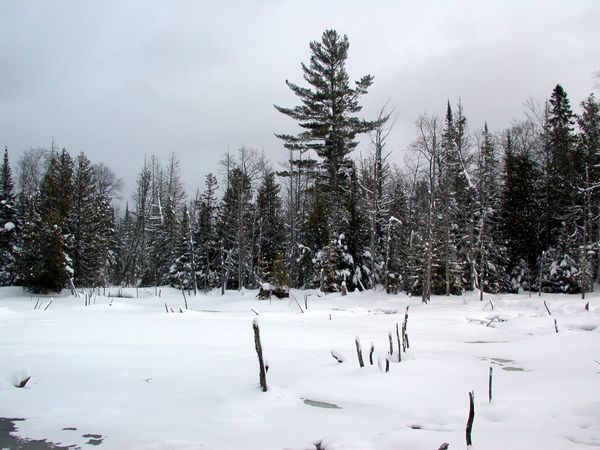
(120, 79)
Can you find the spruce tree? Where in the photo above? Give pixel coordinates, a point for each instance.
(235, 230)
(44, 264)
(9, 226)
(397, 274)
(491, 258)
(357, 260)
(566, 180)
(588, 141)
(181, 274)
(450, 228)
(565, 163)
(271, 234)
(208, 247)
(90, 222)
(520, 212)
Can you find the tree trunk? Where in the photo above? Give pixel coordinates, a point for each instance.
(470, 419)
(261, 363)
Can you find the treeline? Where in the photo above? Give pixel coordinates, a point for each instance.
(470, 209)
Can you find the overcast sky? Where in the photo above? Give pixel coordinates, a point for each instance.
(123, 79)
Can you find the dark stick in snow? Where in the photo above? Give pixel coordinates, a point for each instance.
(547, 309)
(444, 446)
(404, 328)
(391, 343)
(470, 419)
(555, 325)
(371, 353)
(399, 343)
(337, 356)
(490, 385)
(359, 352)
(184, 298)
(261, 363)
(587, 306)
(49, 303)
(166, 308)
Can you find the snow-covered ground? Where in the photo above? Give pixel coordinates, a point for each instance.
(141, 378)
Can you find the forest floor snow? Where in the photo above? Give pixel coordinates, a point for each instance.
(122, 373)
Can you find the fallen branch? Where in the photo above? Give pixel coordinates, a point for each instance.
(338, 356)
(547, 309)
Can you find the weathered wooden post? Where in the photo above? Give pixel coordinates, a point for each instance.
(261, 362)
(470, 419)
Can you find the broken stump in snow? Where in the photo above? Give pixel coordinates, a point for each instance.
(470, 419)
(261, 363)
(20, 378)
(490, 385)
(359, 352)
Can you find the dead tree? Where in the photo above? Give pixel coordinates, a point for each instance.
(470, 419)
(490, 385)
(405, 343)
(359, 352)
(261, 362)
(427, 145)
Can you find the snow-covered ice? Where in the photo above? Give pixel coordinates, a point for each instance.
(142, 378)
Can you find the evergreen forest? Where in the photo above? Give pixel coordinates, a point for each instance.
(469, 209)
